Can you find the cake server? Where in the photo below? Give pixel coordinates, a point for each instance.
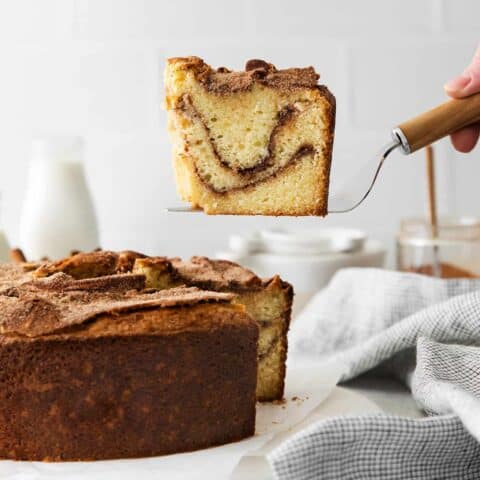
(408, 137)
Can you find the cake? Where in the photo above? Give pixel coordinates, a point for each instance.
(103, 368)
(267, 301)
(253, 142)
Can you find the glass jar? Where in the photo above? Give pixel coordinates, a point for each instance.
(453, 251)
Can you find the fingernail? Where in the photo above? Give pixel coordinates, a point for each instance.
(457, 84)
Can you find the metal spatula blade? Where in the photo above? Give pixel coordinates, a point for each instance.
(183, 209)
(354, 193)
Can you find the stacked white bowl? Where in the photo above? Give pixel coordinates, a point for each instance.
(307, 258)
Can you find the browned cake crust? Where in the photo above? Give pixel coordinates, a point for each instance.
(215, 274)
(97, 368)
(198, 271)
(11, 275)
(46, 306)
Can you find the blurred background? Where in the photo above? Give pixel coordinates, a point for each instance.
(94, 68)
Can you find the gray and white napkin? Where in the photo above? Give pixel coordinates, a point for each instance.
(423, 330)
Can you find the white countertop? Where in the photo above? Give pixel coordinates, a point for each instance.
(388, 394)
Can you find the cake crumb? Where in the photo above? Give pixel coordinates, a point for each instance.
(298, 399)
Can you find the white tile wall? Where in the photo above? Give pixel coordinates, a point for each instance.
(157, 20)
(394, 80)
(461, 16)
(94, 67)
(36, 21)
(346, 18)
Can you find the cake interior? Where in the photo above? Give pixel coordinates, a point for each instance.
(267, 307)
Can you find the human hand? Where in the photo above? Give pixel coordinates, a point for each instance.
(465, 85)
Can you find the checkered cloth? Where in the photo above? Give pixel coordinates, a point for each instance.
(423, 330)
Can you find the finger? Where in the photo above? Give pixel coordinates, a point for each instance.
(454, 88)
(465, 139)
(468, 82)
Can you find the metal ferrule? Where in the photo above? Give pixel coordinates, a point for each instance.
(398, 135)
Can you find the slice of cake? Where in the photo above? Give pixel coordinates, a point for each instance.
(254, 142)
(267, 301)
(100, 368)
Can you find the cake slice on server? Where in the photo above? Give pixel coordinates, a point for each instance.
(254, 142)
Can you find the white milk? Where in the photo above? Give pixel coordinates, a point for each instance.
(58, 214)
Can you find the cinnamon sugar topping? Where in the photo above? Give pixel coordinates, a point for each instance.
(47, 305)
(224, 81)
(215, 274)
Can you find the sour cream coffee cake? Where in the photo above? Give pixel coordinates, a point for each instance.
(252, 142)
(114, 355)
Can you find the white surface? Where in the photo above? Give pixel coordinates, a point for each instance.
(388, 394)
(310, 384)
(93, 68)
(341, 401)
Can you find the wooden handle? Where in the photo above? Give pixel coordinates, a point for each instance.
(441, 121)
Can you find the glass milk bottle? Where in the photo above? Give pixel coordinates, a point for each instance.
(58, 214)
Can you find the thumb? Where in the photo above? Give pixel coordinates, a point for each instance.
(468, 82)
